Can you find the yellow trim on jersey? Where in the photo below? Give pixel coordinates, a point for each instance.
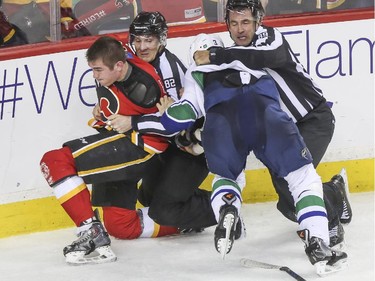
(72, 193)
(10, 35)
(134, 138)
(156, 230)
(151, 149)
(335, 4)
(96, 144)
(114, 167)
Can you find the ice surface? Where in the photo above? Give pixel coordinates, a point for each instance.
(270, 238)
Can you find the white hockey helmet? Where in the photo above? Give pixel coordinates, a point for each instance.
(202, 42)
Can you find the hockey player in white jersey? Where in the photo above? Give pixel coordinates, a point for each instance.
(243, 114)
(262, 47)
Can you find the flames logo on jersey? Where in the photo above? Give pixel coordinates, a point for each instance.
(109, 102)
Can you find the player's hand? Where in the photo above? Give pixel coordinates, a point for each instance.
(120, 123)
(202, 57)
(190, 142)
(96, 113)
(164, 103)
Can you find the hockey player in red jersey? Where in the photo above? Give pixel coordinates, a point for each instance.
(128, 86)
(169, 192)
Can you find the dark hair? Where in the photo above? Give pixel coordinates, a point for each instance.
(149, 23)
(255, 6)
(108, 49)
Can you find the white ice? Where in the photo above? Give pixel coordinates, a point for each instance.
(270, 238)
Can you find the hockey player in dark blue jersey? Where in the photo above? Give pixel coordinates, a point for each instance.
(261, 47)
(243, 114)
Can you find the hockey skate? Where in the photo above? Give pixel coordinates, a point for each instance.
(336, 237)
(225, 231)
(341, 182)
(92, 246)
(240, 231)
(324, 259)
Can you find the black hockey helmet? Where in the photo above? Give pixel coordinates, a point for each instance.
(149, 23)
(254, 5)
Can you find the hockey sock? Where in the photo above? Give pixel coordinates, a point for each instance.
(167, 230)
(306, 188)
(220, 187)
(122, 223)
(74, 197)
(150, 229)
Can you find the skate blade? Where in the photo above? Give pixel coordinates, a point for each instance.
(100, 255)
(344, 176)
(225, 244)
(323, 269)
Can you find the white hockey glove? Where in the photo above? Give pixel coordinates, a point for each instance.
(190, 141)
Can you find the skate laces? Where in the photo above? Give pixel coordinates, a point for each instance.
(345, 213)
(333, 231)
(88, 234)
(336, 237)
(341, 182)
(85, 225)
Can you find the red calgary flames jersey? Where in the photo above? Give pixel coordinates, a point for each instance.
(137, 95)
